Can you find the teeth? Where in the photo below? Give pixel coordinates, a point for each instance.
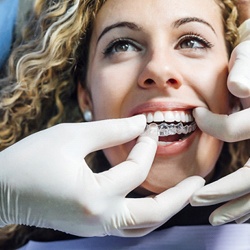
(171, 122)
(172, 129)
(150, 118)
(158, 116)
(169, 116)
(183, 116)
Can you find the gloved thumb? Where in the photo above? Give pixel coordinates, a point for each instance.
(239, 74)
(224, 127)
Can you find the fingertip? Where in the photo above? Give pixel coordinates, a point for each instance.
(139, 119)
(200, 181)
(151, 131)
(239, 87)
(240, 221)
(196, 182)
(215, 221)
(137, 122)
(202, 197)
(195, 200)
(199, 111)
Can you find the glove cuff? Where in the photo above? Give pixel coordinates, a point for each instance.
(244, 31)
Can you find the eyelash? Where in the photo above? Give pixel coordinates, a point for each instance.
(189, 36)
(197, 37)
(108, 50)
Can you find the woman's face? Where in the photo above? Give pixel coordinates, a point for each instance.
(161, 58)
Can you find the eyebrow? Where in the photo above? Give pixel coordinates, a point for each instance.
(135, 27)
(186, 20)
(129, 25)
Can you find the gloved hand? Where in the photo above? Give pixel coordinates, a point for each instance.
(239, 73)
(45, 181)
(235, 187)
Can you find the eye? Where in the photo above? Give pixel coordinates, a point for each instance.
(191, 44)
(194, 41)
(120, 46)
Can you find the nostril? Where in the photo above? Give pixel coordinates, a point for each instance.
(149, 81)
(172, 81)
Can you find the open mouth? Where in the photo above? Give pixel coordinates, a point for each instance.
(173, 125)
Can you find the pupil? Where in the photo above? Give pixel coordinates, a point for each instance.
(122, 47)
(191, 44)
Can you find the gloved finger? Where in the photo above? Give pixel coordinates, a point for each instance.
(231, 211)
(93, 136)
(131, 173)
(227, 188)
(153, 211)
(234, 127)
(163, 207)
(143, 232)
(239, 75)
(243, 219)
(113, 132)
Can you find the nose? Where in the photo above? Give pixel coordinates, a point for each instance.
(160, 70)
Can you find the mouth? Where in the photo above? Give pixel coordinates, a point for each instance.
(173, 126)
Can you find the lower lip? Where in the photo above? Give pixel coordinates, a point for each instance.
(176, 147)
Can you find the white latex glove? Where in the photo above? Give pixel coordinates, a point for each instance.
(239, 66)
(235, 187)
(45, 181)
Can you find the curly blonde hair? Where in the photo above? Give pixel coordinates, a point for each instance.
(49, 59)
(40, 89)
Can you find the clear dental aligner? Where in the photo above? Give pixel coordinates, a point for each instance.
(165, 129)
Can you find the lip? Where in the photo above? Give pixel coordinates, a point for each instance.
(177, 147)
(160, 106)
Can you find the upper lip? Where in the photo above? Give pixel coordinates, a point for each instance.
(160, 106)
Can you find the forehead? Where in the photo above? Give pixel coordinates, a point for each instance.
(157, 12)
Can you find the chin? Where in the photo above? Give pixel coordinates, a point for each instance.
(165, 176)
(152, 186)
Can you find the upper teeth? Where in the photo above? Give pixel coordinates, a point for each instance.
(169, 116)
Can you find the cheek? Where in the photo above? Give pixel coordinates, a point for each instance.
(214, 88)
(110, 88)
(106, 93)
(208, 154)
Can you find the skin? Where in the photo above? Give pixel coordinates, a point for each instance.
(244, 9)
(160, 70)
